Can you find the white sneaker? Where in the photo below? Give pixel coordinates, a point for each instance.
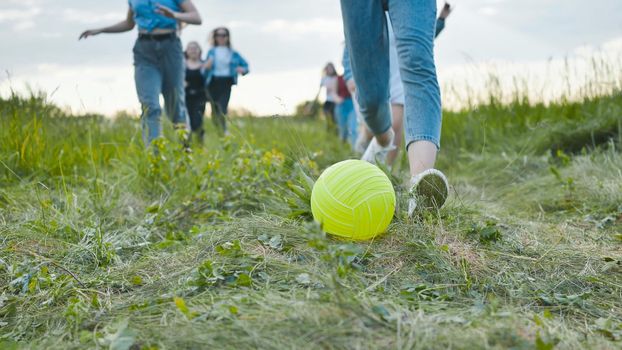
(428, 190)
(375, 153)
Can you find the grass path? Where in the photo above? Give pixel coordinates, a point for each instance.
(105, 246)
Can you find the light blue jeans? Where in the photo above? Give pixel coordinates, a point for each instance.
(159, 69)
(346, 120)
(414, 24)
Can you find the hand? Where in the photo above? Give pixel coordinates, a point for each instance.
(351, 86)
(165, 11)
(338, 100)
(445, 11)
(208, 64)
(240, 70)
(88, 33)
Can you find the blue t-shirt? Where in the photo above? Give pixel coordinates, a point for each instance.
(148, 19)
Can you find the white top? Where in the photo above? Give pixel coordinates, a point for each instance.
(222, 61)
(330, 83)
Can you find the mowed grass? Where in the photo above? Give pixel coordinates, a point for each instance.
(106, 245)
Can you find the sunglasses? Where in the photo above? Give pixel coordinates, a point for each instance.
(222, 35)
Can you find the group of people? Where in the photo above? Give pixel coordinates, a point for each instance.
(211, 79)
(389, 69)
(186, 79)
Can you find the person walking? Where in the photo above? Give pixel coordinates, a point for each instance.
(223, 66)
(414, 23)
(329, 83)
(396, 90)
(196, 96)
(158, 59)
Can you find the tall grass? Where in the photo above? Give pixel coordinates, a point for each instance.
(106, 244)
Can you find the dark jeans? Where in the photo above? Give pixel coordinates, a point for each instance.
(196, 110)
(159, 69)
(220, 92)
(329, 113)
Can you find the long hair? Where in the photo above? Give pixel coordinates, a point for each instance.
(330, 66)
(212, 37)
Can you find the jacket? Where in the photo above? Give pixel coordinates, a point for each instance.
(236, 61)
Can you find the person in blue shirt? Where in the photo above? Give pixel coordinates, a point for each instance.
(158, 58)
(223, 65)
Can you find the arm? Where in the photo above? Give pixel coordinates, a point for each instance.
(243, 66)
(124, 26)
(440, 22)
(440, 25)
(347, 70)
(209, 63)
(209, 60)
(188, 14)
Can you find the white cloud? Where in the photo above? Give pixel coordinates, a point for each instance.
(19, 15)
(51, 35)
(22, 26)
(26, 2)
(488, 11)
(235, 24)
(293, 29)
(86, 17)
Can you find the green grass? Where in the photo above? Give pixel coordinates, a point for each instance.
(104, 245)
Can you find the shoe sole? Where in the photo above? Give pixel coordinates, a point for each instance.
(431, 191)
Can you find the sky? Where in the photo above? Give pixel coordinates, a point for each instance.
(287, 42)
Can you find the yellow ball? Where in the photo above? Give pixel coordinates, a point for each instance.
(353, 199)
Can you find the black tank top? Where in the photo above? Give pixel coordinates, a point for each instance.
(195, 82)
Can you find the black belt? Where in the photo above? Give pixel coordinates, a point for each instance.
(159, 37)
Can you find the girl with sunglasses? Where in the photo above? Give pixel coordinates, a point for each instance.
(223, 64)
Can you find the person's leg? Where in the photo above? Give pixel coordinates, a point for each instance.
(191, 106)
(148, 79)
(414, 23)
(398, 125)
(329, 113)
(341, 113)
(215, 92)
(367, 41)
(421, 156)
(364, 136)
(334, 119)
(350, 121)
(223, 101)
(226, 95)
(200, 117)
(172, 63)
(196, 109)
